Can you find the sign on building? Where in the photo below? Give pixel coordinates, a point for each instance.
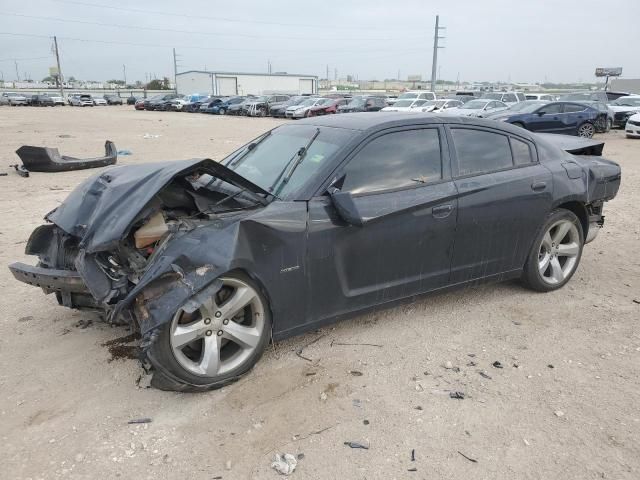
(609, 72)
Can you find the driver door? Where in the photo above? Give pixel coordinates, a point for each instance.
(401, 184)
(549, 121)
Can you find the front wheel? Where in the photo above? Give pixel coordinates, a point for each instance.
(556, 252)
(217, 343)
(222, 111)
(586, 130)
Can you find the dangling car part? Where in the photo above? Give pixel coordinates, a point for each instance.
(45, 159)
(311, 223)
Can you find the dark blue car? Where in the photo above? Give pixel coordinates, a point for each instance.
(222, 107)
(568, 118)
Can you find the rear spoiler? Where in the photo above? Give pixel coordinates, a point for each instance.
(45, 159)
(574, 145)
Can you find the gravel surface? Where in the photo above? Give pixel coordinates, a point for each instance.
(565, 405)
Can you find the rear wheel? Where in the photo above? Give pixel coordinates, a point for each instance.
(222, 111)
(556, 252)
(217, 343)
(586, 130)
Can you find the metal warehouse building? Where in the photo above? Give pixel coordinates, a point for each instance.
(230, 83)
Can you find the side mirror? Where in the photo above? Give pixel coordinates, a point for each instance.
(346, 207)
(541, 112)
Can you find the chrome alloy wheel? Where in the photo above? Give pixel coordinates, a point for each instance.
(558, 253)
(222, 334)
(586, 130)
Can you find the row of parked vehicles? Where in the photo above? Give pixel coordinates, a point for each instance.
(580, 113)
(52, 99)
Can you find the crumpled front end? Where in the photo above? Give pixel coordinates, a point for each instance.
(112, 246)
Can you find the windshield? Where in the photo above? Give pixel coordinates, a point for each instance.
(493, 96)
(474, 105)
(627, 102)
(526, 107)
(403, 103)
(576, 96)
(266, 161)
(407, 95)
(356, 102)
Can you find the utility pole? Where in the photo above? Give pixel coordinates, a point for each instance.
(434, 65)
(175, 71)
(60, 77)
(335, 74)
(327, 72)
(124, 74)
(17, 71)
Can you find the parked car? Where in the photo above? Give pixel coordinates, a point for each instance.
(278, 109)
(139, 105)
(437, 106)
(313, 222)
(113, 99)
(329, 107)
(57, 99)
(540, 96)
(97, 101)
(222, 107)
(41, 101)
(238, 108)
(623, 108)
(260, 106)
(632, 129)
(505, 97)
(131, 100)
(406, 105)
(568, 118)
(304, 109)
(81, 101)
(363, 104)
(14, 99)
(416, 95)
(189, 103)
(477, 108)
(159, 102)
(588, 96)
(212, 107)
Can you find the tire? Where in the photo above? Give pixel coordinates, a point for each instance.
(222, 111)
(586, 130)
(554, 255)
(208, 353)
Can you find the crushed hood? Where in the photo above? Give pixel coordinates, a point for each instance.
(102, 208)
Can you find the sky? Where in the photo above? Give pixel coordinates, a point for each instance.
(493, 40)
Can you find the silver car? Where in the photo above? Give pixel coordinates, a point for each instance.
(13, 99)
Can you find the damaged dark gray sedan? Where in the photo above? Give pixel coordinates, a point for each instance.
(314, 222)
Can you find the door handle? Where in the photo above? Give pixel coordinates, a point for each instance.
(538, 186)
(442, 211)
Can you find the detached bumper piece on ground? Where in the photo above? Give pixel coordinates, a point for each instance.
(45, 159)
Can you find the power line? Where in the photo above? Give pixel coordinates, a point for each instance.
(196, 47)
(195, 32)
(22, 59)
(220, 19)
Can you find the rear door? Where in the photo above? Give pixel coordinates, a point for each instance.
(504, 196)
(573, 115)
(400, 180)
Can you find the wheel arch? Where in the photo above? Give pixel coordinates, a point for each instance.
(579, 210)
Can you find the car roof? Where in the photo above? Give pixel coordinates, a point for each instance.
(381, 120)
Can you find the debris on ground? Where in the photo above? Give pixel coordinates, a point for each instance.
(357, 445)
(355, 373)
(227, 465)
(300, 456)
(45, 159)
(485, 375)
(636, 301)
(3, 174)
(299, 351)
(22, 171)
(323, 396)
(473, 460)
(449, 366)
(357, 403)
(472, 364)
(413, 455)
(497, 364)
(412, 469)
(550, 366)
(365, 422)
(125, 153)
(64, 135)
(140, 420)
(559, 413)
(355, 344)
(457, 395)
(150, 135)
(284, 464)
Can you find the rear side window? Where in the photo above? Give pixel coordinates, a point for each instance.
(395, 160)
(521, 152)
(573, 108)
(509, 97)
(479, 151)
(551, 109)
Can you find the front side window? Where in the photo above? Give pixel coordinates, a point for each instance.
(552, 109)
(480, 152)
(395, 160)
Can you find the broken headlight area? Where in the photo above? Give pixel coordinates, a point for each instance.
(104, 276)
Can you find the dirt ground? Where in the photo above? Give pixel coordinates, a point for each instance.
(565, 405)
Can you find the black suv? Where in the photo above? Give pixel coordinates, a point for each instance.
(364, 104)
